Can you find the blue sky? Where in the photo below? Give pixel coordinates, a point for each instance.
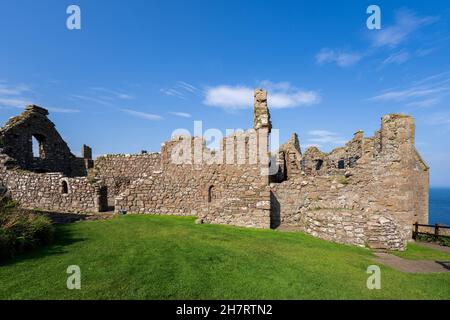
(137, 70)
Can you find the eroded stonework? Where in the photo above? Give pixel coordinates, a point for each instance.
(366, 193)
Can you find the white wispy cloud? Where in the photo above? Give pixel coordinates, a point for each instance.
(181, 90)
(173, 93)
(341, 58)
(187, 86)
(413, 92)
(13, 90)
(281, 95)
(397, 58)
(406, 23)
(143, 115)
(425, 52)
(439, 119)
(14, 102)
(98, 100)
(103, 96)
(426, 103)
(232, 97)
(114, 93)
(62, 110)
(14, 95)
(320, 137)
(181, 114)
(421, 93)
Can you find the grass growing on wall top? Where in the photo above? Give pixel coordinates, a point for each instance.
(163, 257)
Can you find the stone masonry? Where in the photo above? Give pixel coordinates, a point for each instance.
(366, 193)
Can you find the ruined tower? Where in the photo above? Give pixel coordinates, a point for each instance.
(263, 126)
(261, 115)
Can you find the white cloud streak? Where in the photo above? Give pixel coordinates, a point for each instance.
(397, 58)
(62, 110)
(181, 114)
(116, 94)
(13, 102)
(281, 95)
(406, 23)
(91, 99)
(321, 137)
(143, 115)
(341, 58)
(423, 93)
(181, 90)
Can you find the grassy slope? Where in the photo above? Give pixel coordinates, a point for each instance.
(154, 257)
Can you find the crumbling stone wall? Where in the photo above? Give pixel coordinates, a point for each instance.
(373, 200)
(54, 154)
(53, 191)
(368, 192)
(210, 188)
(118, 171)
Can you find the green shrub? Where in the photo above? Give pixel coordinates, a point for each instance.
(42, 230)
(22, 230)
(5, 244)
(445, 242)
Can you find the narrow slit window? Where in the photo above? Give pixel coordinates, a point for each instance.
(319, 164)
(65, 187)
(35, 147)
(210, 193)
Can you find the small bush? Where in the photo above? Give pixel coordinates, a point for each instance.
(42, 230)
(445, 242)
(21, 231)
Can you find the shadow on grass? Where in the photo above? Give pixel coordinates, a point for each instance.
(64, 237)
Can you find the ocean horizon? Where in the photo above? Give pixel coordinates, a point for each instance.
(439, 209)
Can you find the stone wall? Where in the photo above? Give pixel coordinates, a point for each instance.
(368, 192)
(222, 193)
(16, 141)
(54, 191)
(118, 171)
(373, 200)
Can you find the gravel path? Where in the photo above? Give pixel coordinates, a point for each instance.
(412, 266)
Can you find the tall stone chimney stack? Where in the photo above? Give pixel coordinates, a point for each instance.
(262, 126)
(261, 114)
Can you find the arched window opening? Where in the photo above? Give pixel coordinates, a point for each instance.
(37, 146)
(65, 187)
(319, 164)
(341, 164)
(211, 194)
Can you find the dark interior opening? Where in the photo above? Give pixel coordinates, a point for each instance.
(65, 187)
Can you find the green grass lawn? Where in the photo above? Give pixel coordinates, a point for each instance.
(163, 257)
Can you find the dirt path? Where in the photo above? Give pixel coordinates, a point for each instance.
(412, 266)
(433, 246)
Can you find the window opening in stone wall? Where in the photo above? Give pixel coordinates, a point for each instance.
(38, 146)
(35, 147)
(341, 164)
(319, 164)
(210, 193)
(65, 187)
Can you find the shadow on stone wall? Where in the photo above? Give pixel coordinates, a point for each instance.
(274, 211)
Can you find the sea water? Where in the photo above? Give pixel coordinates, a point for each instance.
(439, 206)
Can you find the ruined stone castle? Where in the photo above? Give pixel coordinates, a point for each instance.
(366, 193)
